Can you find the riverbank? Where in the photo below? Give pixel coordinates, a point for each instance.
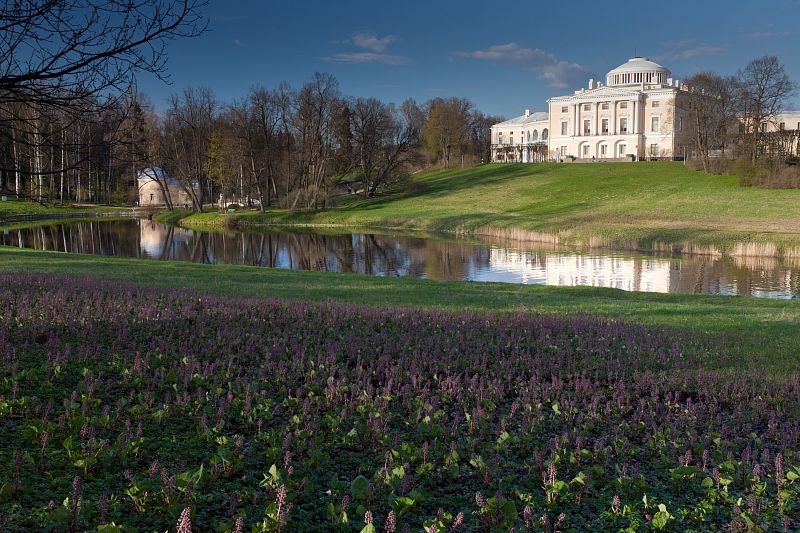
(649, 207)
(761, 332)
(22, 213)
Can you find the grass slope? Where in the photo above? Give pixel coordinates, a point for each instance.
(618, 203)
(763, 332)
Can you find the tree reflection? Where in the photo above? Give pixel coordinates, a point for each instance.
(390, 255)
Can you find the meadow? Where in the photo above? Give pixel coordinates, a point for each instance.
(124, 406)
(644, 206)
(762, 331)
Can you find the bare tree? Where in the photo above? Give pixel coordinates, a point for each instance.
(763, 89)
(313, 125)
(447, 128)
(381, 138)
(188, 126)
(710, 110)
(57, 50)
(480, 135)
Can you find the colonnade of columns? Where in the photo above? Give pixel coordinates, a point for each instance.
(633, 115)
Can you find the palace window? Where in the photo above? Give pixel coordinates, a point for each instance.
(603, 150)
(604, 126)
(623, 105)
(604, 106)
(585, 150)
(511, 140)
(545, 133)
(587, 127)
(782, 126)
(563, 127)
(587, 107)
(529, 136)
(655, 123)
(623, 125)
(653, 150)
(622, 149)
(565, 109)
(680, 123)
(656, 103)
(535, 136)
(563, 150)
(500, 137)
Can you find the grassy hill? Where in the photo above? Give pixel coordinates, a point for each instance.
(618, 205)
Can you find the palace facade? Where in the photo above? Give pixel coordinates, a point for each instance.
(634, 114)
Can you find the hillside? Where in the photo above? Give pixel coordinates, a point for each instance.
(619, 205)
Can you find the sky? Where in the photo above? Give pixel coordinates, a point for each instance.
(503, 56)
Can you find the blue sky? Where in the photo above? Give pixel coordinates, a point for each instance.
(503, 56)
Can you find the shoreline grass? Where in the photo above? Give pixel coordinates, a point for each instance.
(643, 207)
(763, 332)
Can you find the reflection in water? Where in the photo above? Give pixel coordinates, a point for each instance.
(382, 255)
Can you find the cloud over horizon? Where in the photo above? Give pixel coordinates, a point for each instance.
(761, 35)
(687, 49)
(558, 73)
(375, 47)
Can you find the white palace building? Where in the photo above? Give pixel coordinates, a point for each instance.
(632, 115)
(635, 114)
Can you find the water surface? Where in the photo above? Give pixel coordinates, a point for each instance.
(432, 258)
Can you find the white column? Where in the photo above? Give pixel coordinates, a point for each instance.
(613, 129)
(575, 112)
(635, 129)
(597, 118)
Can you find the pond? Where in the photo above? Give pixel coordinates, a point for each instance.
(432, 258)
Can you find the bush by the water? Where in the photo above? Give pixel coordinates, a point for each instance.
(145, 408)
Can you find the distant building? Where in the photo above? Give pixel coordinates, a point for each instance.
(154, 185)
(635, 114)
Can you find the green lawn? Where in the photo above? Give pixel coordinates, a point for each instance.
(617, 204)
(13, 207)
(761, 332)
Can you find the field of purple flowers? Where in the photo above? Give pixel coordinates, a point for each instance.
(123, 407)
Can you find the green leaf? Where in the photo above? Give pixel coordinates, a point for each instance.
(369, 528)
(359, 488)
(660, 520)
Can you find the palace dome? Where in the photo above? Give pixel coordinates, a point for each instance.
(637, 70)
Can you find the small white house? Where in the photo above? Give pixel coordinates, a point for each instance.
(154, 186)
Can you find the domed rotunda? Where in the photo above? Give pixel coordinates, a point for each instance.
(636, 71)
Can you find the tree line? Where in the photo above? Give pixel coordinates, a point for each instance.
(276, 146)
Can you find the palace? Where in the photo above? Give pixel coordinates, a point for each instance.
(632, 115)
(635, 114)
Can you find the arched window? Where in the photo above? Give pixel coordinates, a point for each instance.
(545, 134)
(535, 136)
(529, 135)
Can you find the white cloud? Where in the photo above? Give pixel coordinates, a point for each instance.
(368, 57)
(687, 49)
(370, 41)
(759, 35)
(557, 72)
(377, 48)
